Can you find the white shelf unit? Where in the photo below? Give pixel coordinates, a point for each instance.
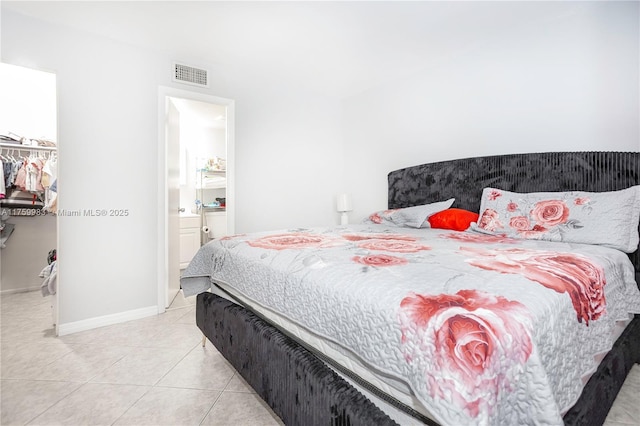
(211, 184)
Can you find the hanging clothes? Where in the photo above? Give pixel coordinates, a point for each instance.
(3, 187)
(14, 166)
(50, 283)
(33, 179)
(49, 171)
(10, 167)
(27, 180)
(21, 176)
(49, 175)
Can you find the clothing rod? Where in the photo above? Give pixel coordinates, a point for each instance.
(27, 147)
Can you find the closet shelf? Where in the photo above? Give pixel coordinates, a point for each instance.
(19, 147)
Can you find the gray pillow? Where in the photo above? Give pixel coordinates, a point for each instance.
(413, 217)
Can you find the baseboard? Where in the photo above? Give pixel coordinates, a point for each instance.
(19, 290)
(91, 323)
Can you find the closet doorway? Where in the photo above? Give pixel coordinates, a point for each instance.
(196, 176)
(28, 149)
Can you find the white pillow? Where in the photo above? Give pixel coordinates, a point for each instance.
(599, 218)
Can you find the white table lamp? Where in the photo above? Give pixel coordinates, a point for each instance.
(343, 201)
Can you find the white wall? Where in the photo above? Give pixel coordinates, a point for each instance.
(568, 83)
(288, 160)
(286, 145)
(28, 102)
(107, 102)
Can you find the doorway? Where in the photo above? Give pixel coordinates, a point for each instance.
(28, 224)
(196, 180)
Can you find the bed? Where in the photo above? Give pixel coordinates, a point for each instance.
(287, 347)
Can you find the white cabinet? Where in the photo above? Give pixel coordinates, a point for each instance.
(189, 238)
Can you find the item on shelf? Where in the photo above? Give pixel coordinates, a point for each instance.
(210, 164)
(9, 139)
(214, 164)
(212, 181)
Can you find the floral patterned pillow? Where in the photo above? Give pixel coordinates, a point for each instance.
(601, 218)
(413, 217)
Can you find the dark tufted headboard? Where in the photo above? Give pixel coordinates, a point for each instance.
(465, 179)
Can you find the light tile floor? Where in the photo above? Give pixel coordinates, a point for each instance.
(151, 371)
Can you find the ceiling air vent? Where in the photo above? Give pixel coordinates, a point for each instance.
(190, 75)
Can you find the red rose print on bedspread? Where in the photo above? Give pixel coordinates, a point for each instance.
(470, 237)
(398, 246)
(470, 346)
(363, 237)
(291, 240)
(380, 260)
(570, 273)
(231, 237)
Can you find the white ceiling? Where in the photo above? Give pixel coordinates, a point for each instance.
(335, 48)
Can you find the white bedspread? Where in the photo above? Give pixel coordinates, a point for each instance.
(484, 330)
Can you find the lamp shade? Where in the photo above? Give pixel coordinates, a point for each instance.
(343, 202)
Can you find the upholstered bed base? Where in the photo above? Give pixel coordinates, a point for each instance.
(302, 390)
(603, 387)
(299, 387)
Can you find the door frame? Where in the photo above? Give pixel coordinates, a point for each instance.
(163, 231)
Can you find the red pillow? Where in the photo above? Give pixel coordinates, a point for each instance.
(456, 219)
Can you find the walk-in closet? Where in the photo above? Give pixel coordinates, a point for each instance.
(28, 185)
